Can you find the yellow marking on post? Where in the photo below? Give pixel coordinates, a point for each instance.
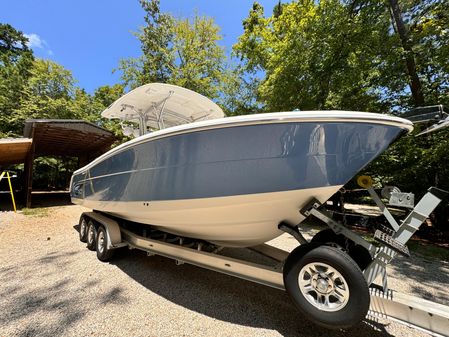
(12, 193)
(10, 188)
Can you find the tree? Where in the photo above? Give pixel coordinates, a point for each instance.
(178, 51)
(106, 95)
(355, 54)
(103, 97)
(316, 55)
(240, 93)
(428, 23)
(12, 41)
(48, 93)
(15, 61)
(415, 83)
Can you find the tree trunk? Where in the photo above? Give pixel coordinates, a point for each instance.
(415, 84)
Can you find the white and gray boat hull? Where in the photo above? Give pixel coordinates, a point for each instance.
(232, 181)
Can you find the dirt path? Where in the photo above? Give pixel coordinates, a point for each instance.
(51, 285)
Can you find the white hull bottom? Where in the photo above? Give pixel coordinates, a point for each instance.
(233, 221)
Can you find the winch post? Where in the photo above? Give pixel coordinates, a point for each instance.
(383, 254)
(382, 208)
(411, 224)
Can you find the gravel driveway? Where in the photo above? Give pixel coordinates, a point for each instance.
(51, 285)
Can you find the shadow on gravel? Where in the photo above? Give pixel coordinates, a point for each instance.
(226, 298)
(50, 198)
(418, 270)
(34, 296)
(425, 274)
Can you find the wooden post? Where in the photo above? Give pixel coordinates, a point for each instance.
(28, 176)
(11, 191)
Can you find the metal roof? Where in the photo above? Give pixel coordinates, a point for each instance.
(14, 151)
(66, 137)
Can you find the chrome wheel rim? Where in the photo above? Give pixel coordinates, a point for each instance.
(100, 242)
(83, 227)
(90, 234)
(323, 286)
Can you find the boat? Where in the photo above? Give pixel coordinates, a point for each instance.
(226, 180)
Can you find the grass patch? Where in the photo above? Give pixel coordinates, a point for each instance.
(428, 250)
(38, 212)
(371, 240)
(313, 224)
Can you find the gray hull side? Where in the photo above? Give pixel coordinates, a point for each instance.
(236, 161)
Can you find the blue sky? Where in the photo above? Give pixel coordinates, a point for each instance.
(89, 37)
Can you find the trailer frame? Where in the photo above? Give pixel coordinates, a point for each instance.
(385, 303)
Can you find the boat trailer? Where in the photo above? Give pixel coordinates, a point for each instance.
(104, 233)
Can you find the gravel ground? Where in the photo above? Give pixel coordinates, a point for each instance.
(51, 285)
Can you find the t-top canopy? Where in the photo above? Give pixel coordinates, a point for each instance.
(159, 106)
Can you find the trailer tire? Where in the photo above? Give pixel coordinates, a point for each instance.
(327, 287)
(104, 253)
(327, 236)
(91, 235)
(359, 254)
(83, 229)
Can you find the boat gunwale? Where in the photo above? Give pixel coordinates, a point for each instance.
(257, 119)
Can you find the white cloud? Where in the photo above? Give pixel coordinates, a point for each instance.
(35, 41)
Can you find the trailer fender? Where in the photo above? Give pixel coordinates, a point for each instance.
(111, 226)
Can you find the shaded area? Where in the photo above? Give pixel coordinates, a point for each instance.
(25, 295)
(59, 288)
(67, 137)
(417, 269)
(40, 199)
(51, 199)
(226, 298)
(53, 137)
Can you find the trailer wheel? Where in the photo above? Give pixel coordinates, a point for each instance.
(83, 229)
(327, 236)
(327, 287)
(103, 252)
(359, 254)
(91, 235)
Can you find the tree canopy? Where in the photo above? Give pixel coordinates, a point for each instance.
(348, 54)
(184, 52)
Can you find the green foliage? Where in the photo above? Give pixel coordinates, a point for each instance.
(38, 212)
(429, 32)
(103, 97)
(345, 54)
(317, 55)
(12, 41)
(53, 173)
(15, 63)
(239, 93)
(36, 88)
(415, 163)
(48, 93)
(184, 52)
